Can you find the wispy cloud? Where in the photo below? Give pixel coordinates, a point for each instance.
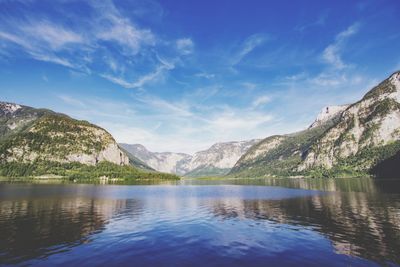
(183, 125)
(185, 46)
(95, 109)
(332, 53)
(230, 120)
(190, 91)
(261, 100)
(204, 123)
(126, 34)
(41, 46)
(5, 36)
(143, 80)
(107, 44)
(247, 47)
(48, 57)
(161, 106)
(205, 75)
(55, 37)
(320, 21)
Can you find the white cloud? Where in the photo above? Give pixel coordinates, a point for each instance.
(126, 34)
(39, 46)
(231, 120)
(143, 80)
(320, 21)
(48, 57)
(247, 47)
(94, 109)
(261, 101)
(198, 126)
(129, 134)
(183, 125)
(203, 93)
(296, 77)
(15, 39)
(185, 46)
(331, 56)
(332, 53)
(55, 36)
(107, 44)
(205, 75)
(328, 79)
(177, 110)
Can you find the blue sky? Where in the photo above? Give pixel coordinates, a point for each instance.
(181, 75)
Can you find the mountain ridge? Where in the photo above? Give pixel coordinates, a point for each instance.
(44, 143)
(29, 132)
(350, 142)
(216, 160)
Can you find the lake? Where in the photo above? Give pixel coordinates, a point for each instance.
(269, 222)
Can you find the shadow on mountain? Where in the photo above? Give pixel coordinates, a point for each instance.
(389, 168)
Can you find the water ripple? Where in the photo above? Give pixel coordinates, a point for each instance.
(196, 226)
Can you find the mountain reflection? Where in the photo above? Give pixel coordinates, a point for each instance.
(358, 224)
(40, 227)
(51, 224)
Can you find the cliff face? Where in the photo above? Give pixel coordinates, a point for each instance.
(328, 113)
(343, 140)
(29, 135)
(218, 159)
(372, 122)
(279, 155)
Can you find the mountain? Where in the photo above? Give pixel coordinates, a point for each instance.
(327, 114)
(353, 140)
(161, 161)
(134, 161)
(29, 134)
(36, 140)
(217, 160)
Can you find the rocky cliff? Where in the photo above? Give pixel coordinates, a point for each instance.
(372, 122)
(28, 135)
(218, 159)
(343, 141)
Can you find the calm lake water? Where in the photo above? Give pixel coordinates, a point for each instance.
(346, 222)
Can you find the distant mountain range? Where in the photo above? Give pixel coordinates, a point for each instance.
(353, 140)
(217, 160)
(162, 161)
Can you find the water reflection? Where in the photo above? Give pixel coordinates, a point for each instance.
(41, 227)
(366, 185)
(358, 224)
(201, 225)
